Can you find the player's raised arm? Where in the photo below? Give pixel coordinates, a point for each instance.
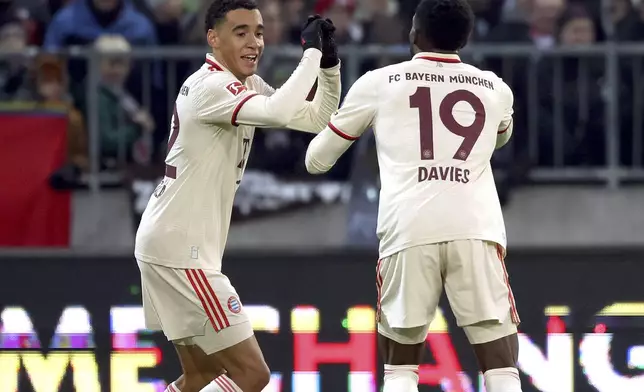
(347, 125)
(314, 116)
(225, 98)
(280, 109)
(506, 126)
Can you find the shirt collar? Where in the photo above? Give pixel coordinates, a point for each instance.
(213, 64)
(439, 57)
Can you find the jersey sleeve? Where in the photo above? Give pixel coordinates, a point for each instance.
(220, 97)
(506, 126)
(314, 116)
(357, 114)
(224, 99)
(279, 109)
(263, 87)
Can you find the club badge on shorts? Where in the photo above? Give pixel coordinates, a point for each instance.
(234, 305)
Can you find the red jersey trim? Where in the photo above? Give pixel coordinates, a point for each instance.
(241, 103)
(213, 65)
(506, 128)
(342, 134)
(452, 58)
(440, 59)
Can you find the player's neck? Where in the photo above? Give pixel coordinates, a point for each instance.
(222, 62)
(432, 50)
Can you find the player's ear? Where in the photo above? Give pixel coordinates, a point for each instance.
(213, 38)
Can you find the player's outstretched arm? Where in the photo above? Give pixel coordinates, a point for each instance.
(507, 125)
(315, 115)
(277, 110)
(346, 126)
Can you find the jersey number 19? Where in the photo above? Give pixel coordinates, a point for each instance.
(422, 100)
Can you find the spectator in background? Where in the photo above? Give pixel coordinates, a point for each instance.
(540, 28)
(49, 91)
(488, 15)
(347, 29)
(42, 15)
(384, 26)
(274, 25)
(167, 16)
(13, 71)
(581, 104)
(293, 13)
(628, 26)
(123, 123)
(83, 21)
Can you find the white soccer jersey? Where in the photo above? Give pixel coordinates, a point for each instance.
(436, 123)
(186, 222)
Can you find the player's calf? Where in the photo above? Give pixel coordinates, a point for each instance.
(402, 351)
(496, 346)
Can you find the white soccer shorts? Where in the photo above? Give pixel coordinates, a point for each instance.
(473, 273)
(189, 303)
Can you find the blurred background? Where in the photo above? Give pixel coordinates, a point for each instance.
(86, 92)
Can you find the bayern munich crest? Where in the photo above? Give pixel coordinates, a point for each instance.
(234, 305)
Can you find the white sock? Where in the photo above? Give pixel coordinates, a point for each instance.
(401, 378)
(222, 384)
(172, 387)
(502, 380)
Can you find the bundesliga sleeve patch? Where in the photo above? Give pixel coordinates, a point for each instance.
(236, 88)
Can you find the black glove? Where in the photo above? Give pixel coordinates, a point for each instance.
(329, 48)
(312, 33)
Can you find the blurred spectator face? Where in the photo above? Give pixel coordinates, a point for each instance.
(50, 79)
(169, 10)
(293, 11)
(544, 15)
(115, 70)
(115, 66)
(13, 37)
(106, 5)
(51, 90)
(342, 19)
(620, 9)
(273, 23)
(578, 31)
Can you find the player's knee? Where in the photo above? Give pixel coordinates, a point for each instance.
(253, 377)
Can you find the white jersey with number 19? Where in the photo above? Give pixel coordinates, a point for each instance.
(436, 121)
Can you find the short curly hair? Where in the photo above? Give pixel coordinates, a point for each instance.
(219, 8)
(447, 24)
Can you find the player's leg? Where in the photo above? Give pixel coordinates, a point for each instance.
(409, 287)
(227, 344)
(240, 367)
(479, 293)
(200, 312)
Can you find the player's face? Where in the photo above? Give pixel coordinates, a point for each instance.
(239, 41)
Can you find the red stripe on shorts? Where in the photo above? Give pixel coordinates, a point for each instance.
(379, 288)
(219, 309)
(205, 301)
(513, 307)
(171, 388)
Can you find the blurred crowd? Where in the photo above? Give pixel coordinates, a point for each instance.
(133, 111)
